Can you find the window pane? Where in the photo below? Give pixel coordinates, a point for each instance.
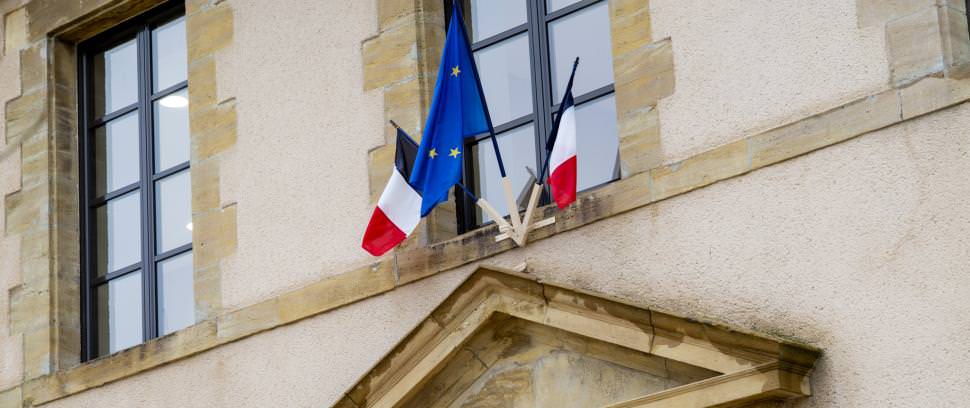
(518, 151)
(506, 78)
(597, 144)
(553, 5)
(176, 294)
(116, 155)
(169, 60)
(490, 17)
(173, 209)
(584, 34)
(118, 232)
(115, 78)
(172, 130)
(119, 314)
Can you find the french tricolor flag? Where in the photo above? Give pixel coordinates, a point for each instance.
(562, 149)
(399, 208)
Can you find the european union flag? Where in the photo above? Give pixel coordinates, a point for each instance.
(457, 111)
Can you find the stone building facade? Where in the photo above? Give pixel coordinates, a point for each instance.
(788, 225)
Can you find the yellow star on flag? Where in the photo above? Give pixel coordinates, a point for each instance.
(454, 153)
(455, 71)
(433, 153)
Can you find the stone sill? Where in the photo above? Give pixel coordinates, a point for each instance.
(724, 162)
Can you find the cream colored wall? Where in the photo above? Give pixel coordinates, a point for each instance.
(860, 249)
(11, 365)
(743, 66)
(298, 172)
(308, 364)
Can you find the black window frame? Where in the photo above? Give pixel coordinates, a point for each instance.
(138, 28)
(544, 107)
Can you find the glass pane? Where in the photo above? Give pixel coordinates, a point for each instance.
(597, 144)
(119, 314)
(584, 34)
(506, 78)
(176, 294)
(118, 229)
(518, 151)
(115, 78)
(172, 130)
(490, 17)
(169, 60)
(173, 210)
(116, 154)
(553, 5)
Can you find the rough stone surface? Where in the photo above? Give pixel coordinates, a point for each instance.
(771, 62)
(299, 166)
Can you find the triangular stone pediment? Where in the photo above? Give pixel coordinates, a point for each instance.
(504, 339)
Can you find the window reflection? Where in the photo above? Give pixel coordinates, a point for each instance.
(172, 130)
(584, 34)
(490, 17)
(118, 226)
(116, 154)
(169, 59)
(597, 145)
(119, 313)
(115, 78)
(176, 310)
(173, 208)
(506, 78)
(518, 151)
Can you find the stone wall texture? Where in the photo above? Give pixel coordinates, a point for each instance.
(860, 249)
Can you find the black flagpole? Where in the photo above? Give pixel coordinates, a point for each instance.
(555, 127)
(462, 186)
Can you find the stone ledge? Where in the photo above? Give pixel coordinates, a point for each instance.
(757, 151)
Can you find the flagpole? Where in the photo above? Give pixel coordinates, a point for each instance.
(537, 187)
(555, 127)
(506, 183)
(502, 224)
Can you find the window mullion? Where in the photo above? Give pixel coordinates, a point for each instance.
(88, 312)
(148, 192)
(542, 81)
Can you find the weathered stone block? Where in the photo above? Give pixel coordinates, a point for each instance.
(720, 163)
(248, 320)
(336, 291)
(14, 31)
(205, 185)
(878, 12)
(826, 128)
(214, 234)
(915, 46)
(931, 94)
(391, 57)
(956, 39)
(208, 31)
(380, 164)
(26, 116)
(629, 25)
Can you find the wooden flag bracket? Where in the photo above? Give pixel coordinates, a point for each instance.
(518, 231)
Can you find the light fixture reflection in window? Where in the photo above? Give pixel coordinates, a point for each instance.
(174, 101)
(188, 226)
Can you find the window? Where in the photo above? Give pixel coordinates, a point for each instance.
(136, 217)
(524, 50)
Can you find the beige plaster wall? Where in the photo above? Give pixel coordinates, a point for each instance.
(749, 65)
(308, 364)
(11, 365)
(298, 172)
(860, 249)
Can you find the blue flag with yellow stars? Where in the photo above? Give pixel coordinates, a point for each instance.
(457, 112)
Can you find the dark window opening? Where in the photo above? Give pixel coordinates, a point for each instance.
(524, 50)
(135, 192)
